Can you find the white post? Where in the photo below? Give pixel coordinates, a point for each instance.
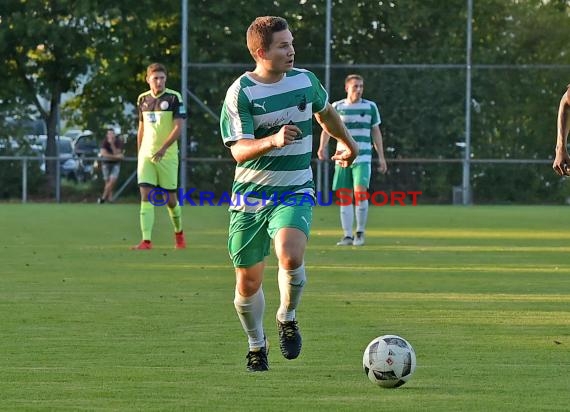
(25, 180)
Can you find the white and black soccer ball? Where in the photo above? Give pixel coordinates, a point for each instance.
(389, 361)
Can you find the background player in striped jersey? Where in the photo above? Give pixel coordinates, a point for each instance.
(362, 120)
(161, 118)
(266, 121)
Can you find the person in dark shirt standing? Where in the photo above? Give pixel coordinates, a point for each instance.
(112, 154)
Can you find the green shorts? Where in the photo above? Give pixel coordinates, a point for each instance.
(162, 174)
(250, 234)
(349, 177)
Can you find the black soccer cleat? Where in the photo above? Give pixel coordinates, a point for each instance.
(290, 340)
(257, 359)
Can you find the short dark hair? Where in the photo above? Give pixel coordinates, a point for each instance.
(260, 32)
(353, 77)
(155, 67)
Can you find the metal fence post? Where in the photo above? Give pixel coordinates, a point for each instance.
(25, 180)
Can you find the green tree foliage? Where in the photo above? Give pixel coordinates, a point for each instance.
(515, 113)
(136, 34)
(45, 46)
(99, 51)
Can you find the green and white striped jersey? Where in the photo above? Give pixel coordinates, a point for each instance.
(359, 118)
(254, 110)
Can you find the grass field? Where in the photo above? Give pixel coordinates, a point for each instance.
(483, 294)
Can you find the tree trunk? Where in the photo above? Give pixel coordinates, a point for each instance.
(52, 127)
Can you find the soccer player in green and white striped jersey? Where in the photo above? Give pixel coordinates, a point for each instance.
(266, 121)
(362, 119)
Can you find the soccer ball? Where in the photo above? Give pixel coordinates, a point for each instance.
(389, 361)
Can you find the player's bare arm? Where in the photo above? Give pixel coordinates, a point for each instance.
(561, 163)
(379, 146)
(323, 151)
(332, 124)
(140, 133)
(172, 137)
(249, 149)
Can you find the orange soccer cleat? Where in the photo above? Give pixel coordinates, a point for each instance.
(144, 245)
(180, 241)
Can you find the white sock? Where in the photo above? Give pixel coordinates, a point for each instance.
(291, 284)
(361, 215)
(346, 219)
(250, 312)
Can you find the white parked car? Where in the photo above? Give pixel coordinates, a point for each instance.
(68, 162)
(86, 149)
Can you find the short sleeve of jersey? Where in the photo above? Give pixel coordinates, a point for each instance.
(375, 113)
(139, 109)
(175, 101)
(178, 108)
(321, 96)
(236, 118)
